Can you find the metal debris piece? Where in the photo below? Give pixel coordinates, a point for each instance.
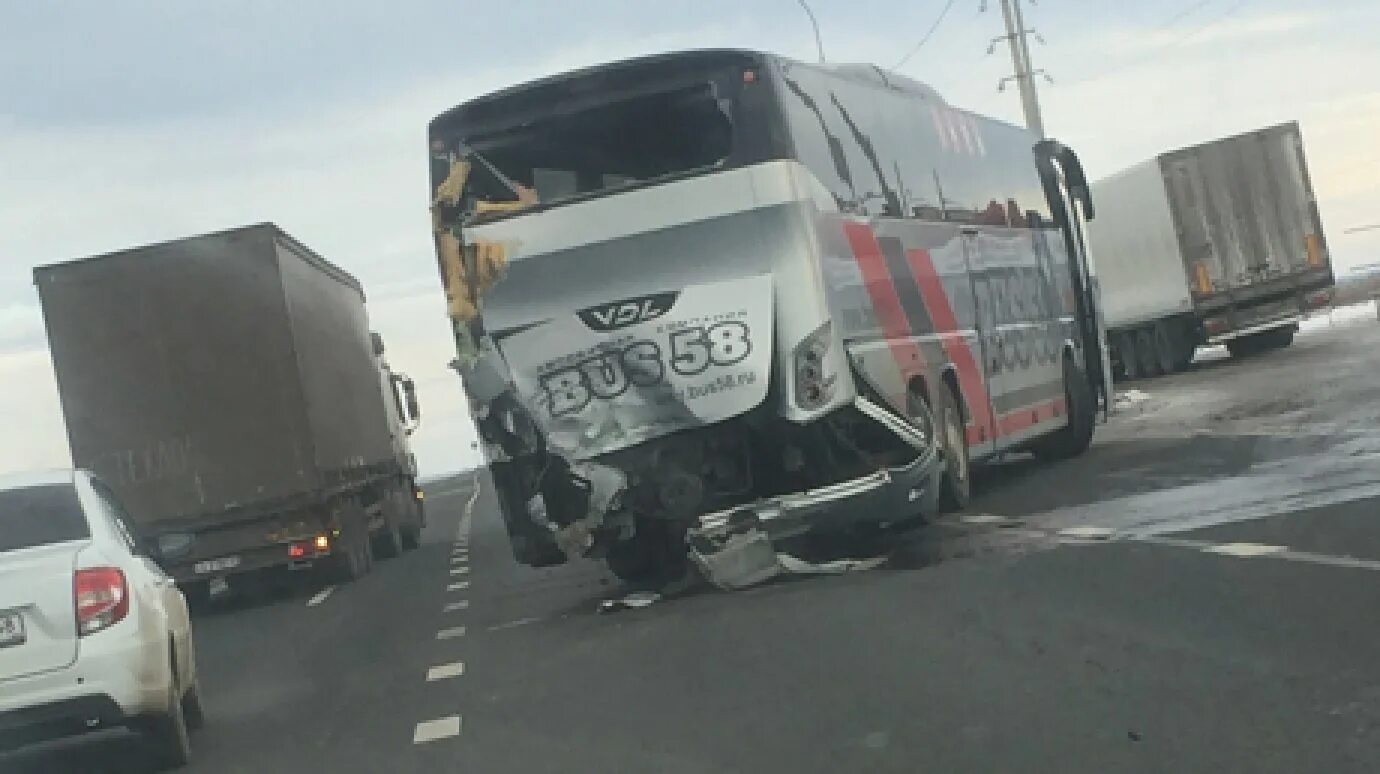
(632, 601)
(796, 566)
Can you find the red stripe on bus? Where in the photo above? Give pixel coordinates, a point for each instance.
(1028, 416)
(970, 379)
(881, 288)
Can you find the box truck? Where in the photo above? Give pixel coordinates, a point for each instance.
(228, 388)
(1218, 243)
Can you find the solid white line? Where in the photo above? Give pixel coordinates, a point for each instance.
(459, 571)
(320, 596)
(1257, 550)
(445, 671)
(451, 633)
(440, 728)
(460, 605)
(458, 586)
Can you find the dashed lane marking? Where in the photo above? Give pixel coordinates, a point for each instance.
(451, 633)
(513, 624)
(459, 559)
(1088, 533)
(320, 596)
(445, 671)
(459, 571)
(440, 728)
(460, 605)
(458, 586)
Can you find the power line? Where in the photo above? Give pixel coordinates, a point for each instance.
(928, 34)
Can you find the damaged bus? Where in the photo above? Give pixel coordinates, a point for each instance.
(708, 302)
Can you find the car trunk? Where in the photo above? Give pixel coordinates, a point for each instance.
(36, 587)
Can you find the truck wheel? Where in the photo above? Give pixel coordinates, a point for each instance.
(1130, 359)
(956, 489)
(1279, 338)
(412, 529)
(1166, 347)
(1076, 436)
(1145, 350)
(388, 543)
(355, 559)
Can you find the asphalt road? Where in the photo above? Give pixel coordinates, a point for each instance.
(1199, 593)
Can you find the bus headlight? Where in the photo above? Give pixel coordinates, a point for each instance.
(814, 386)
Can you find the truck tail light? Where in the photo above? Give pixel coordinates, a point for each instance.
(1215, 325)
(102, 598)
(813, 387)
(1201, 279)
(1318, 298)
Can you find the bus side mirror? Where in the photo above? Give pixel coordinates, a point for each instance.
(414, 408)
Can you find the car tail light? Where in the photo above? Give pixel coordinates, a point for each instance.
(297, 551)
(102, 598)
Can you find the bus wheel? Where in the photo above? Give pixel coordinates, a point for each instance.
(1077, 435)
(956, 490)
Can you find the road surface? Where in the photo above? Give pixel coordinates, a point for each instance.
(1199, 593)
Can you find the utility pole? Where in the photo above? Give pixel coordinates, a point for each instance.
(1020, 57)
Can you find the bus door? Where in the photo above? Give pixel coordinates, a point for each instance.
(1022, 355)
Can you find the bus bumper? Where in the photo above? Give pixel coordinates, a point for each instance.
(735, 548)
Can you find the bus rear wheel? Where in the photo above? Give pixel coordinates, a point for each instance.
(1077, 435)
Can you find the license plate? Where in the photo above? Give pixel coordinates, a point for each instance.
(216, 565)
(11, 629)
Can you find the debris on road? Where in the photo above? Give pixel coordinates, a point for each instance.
(632, 601)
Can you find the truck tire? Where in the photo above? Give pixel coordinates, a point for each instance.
(1146, 351)
(1167, 347)
(355, 558)
(1130, 358)
(387, 544)
(1076, 436)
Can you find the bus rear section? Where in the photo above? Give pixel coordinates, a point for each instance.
(669, 327)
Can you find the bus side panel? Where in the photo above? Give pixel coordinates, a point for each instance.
(901, 296)
(1017, 297)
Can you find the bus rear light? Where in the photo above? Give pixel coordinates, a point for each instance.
(813, 386)
(102, 598)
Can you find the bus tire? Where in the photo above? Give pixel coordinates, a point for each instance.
(1076, 436)
(956, 487)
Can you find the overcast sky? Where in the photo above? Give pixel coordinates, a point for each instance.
(124, 123)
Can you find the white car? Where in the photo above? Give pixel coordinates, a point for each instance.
(92, 633)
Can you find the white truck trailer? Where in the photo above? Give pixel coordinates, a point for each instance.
(1218, 243)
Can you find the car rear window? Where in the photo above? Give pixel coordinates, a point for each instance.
(39, 515)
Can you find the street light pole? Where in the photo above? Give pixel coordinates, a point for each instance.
(819, 42)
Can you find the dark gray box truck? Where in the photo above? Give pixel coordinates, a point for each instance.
(228, 387)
